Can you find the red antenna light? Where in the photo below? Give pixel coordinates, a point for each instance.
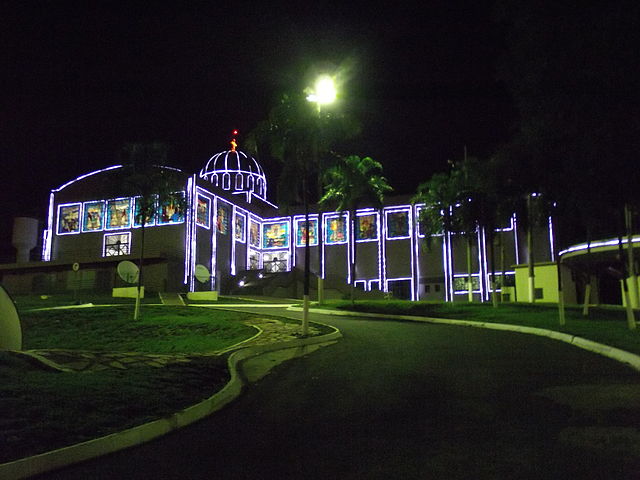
(234, 144)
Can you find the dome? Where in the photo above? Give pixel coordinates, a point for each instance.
(236, 172)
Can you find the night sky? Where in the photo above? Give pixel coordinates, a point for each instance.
(81, 78)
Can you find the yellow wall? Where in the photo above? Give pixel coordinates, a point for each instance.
(127, 292)
(546, 278)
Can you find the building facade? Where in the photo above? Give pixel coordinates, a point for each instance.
(228, 237)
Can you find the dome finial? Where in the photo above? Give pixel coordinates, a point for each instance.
(234, 144)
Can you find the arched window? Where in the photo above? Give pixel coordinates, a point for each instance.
(214, 179)
(239, 181)
(226, 181)
(250, 183)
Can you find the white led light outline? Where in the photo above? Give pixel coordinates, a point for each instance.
(415, 283)
(84, 212)
(113, 234)
(388, 280)
(48, 233)
(482, 292)
(214, 246)
(81, 177)
(80, 213)
(297, 219)
(243, 238)
(133, 215)
(272, 221)
(258, 221)
(403, 209)
(191, 187)
(363, 282)
(415, 237)
(207, 224)
(232, 269)
(276, 251)
(187, 236)
(107, 216)
(515, 238)
(325, 231)
(229, 207)
(486, 265)
(367, 213)
(598, 244)
(551, 240)
(382, 263)
(466, 290)
(159, 216)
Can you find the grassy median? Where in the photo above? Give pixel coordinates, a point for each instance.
(44, 409)
(603, 324)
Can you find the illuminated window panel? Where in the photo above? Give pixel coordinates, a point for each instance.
(240, 228)
(397, 224)
(93, 216)
(203, 211)
(276, 262)
(170, 211)
(69, 218)
(460, 283)
(366, 228)
(223, 213)
(335, 229)
(275, 235)
(116, 244)
(138, 206)
(254, 233)
(254, 260)
(118, 214)
(301, 232)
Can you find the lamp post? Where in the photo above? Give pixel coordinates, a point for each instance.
(323, 93)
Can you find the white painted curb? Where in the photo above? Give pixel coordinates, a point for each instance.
(44, 462)
(617, 354)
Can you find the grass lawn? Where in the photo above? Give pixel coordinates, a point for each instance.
(43, 409)
(604, 324)
(162, 329)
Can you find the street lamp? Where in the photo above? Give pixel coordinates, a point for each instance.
(323, 93)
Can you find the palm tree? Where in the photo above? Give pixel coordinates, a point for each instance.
(349, 183)
(151, 184)
(440, 195)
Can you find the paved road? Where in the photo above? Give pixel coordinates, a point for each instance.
(390, 400)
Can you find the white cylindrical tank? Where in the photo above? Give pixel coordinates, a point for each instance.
(25, 237)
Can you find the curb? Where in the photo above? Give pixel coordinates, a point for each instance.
(62, 457)
(628, 358)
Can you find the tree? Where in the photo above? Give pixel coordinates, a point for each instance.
(351, 182)
(151, 183)
(440, 194)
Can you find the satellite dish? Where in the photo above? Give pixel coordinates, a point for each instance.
(202, 273)
(10, 328)
(128, 271)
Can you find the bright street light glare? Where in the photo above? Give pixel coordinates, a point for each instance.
(325, 91)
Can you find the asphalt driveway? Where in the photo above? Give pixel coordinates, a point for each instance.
(392, 400)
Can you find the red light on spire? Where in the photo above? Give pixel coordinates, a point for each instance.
(234, 144)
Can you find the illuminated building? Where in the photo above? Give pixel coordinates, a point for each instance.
(231, 239)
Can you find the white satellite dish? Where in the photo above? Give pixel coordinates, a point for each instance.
(10, 328)
(128, 271)
(202, 273)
